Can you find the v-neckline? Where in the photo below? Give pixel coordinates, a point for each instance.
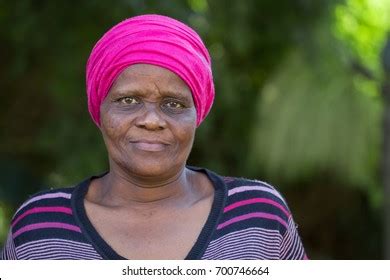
(105, 250)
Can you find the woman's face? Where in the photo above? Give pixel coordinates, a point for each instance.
(148, 122)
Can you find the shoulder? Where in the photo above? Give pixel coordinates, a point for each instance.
(243, 189)
(248, 191)
(48, 198)
(255, 222)
(256, 203)
(41, 210)
(45, 224)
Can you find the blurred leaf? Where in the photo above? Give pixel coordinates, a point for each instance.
(362, 25)
(314, 120)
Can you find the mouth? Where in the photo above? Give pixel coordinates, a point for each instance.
(149, 146)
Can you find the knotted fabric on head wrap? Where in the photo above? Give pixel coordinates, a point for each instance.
(150, 39)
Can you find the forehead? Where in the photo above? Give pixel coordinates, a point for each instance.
(147, 77)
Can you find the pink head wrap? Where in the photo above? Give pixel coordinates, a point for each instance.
(150, 39)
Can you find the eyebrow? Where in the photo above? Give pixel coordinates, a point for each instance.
(174, 94)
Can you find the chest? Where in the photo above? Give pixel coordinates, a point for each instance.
(150, 234)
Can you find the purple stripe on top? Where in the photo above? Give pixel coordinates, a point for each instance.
(255, 188)
(228, 179)
(253, 215)
(65, 210)
(256, 200)
(45, 196)
(45, 225)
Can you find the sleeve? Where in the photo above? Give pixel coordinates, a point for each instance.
(9, 251)
(291, 246)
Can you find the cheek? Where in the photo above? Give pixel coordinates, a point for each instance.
(189, 128)
(112, 126)
(186, 137)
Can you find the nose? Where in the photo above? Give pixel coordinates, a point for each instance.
(151, 118)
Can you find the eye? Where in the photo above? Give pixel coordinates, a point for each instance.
(174, 105)
(128, 100)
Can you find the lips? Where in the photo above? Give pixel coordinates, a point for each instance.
(149, 146)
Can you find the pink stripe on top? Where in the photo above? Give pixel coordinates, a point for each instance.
(253, 215)
(45, 225)
(45, 196)
(256, 200)
(65, 210)
(255, 188)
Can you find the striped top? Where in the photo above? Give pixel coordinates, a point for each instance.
(248, 220)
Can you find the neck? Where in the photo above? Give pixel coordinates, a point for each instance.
(119, 188)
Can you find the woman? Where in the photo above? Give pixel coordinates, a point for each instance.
(149, 86)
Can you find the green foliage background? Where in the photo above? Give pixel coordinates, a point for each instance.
(297, 104)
